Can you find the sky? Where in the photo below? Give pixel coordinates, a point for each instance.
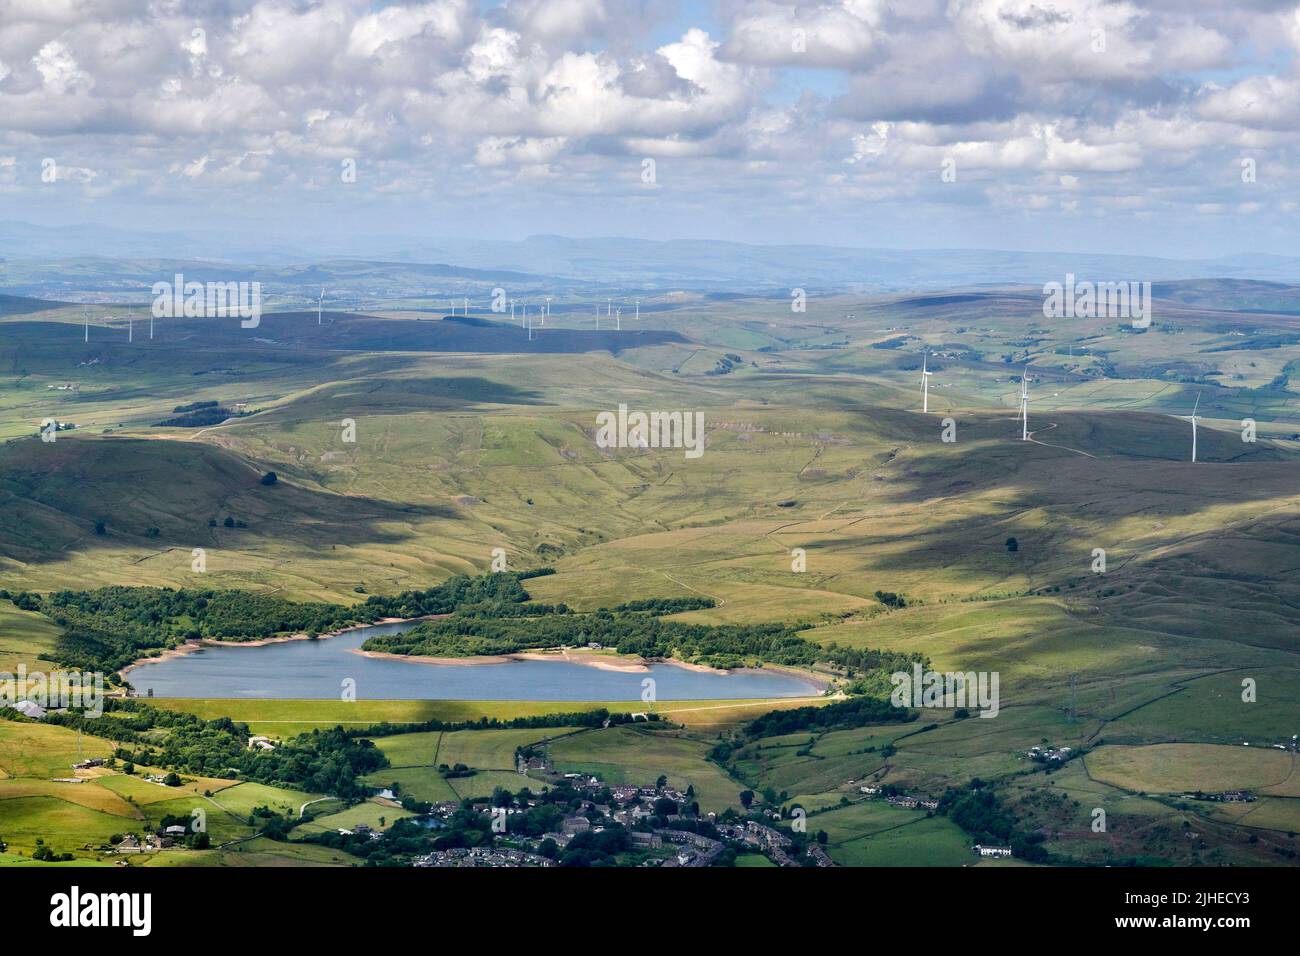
(1163, 127)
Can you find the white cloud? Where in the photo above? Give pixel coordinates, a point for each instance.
(523, 151)
(264, 97)
(805, 34)
(59, 71)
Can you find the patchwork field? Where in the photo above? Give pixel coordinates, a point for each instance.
(1178, 768)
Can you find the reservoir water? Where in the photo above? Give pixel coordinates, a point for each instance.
(316, 670)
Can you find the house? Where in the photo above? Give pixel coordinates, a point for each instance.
(175, 830)
(991, 850)
(260, 743)
(819, 856)
(689, 837)
(930, 803)
(651, 840)
(1050, 754)
(575, 825)
(869, 790)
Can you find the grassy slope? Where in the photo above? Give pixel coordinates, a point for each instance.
(457, 454)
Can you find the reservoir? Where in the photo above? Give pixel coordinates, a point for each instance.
(316, 670)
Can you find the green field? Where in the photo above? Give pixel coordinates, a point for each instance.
(815, 441)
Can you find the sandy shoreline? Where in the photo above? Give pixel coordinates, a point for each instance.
(605, 662)
(193, 645)
(598, 661)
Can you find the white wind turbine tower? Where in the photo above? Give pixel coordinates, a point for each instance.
(1024, 404)
(547, 314)
(86, 313)
(1192, 418)
(151, 325)
(320, 303)
(597, 316)
(925, 385)
(638, 310)
(618, 319)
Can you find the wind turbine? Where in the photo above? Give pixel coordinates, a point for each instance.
(151, 325)
(597, 316)
(86, 312)
(618, 319)
(1024, 404)
(320, 303)
(130, 327)
(1192, 418)
(638, 310)
(925, 385)
(547, 314)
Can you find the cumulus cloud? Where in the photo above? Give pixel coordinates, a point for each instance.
(59, 71)
(1042, 104)
(1069, 40)
(806, 34)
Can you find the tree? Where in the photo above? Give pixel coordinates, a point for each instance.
(746, 798)
(99, 528)
(1013, 545)
(229, 522)
(664, 807)
(172, 779)
(270, 478)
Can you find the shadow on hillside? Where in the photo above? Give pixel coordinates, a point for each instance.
(159, 495)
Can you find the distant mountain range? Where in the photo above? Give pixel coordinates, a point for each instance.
(41, 260)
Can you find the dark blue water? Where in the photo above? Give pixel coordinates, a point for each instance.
(316, 670)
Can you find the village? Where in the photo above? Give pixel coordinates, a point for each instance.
(665, 839)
